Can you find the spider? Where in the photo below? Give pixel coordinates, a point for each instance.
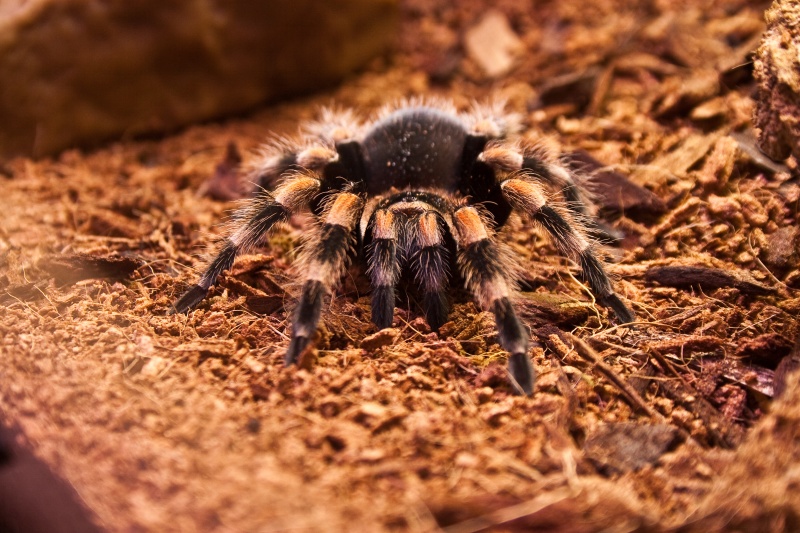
(418, 190)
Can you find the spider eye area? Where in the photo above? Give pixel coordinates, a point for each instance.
(410, 208)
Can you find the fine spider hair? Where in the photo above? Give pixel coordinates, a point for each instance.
(420, 189)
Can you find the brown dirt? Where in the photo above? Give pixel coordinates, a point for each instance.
(191, 423)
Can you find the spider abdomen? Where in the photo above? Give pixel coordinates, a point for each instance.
(414, 148)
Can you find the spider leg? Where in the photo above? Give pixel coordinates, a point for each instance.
(491, 281)
(429, 261)
(325, 259)
(525, 196)
(254, 220)
(556, 176)
(384, 265)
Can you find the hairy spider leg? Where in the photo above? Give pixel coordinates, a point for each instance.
(429, 260)
(384, 264)
(408, 227)
(325, 258)
(272, 167)
(526, 196)
(559, 177)
(479, 181)
(535, 164)
(491, 281)
(254, 221)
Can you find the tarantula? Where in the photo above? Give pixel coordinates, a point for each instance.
(419, 188)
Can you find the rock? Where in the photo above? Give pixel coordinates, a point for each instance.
(26, 481)
(77, 72)
(777, 70)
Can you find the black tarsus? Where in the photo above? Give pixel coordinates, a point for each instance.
(437, 308)
(383, 302)
(595, 275)
(481, 259)
(383, 261)
(255, 228)
(190, 298)
(330, 247)
(592, 271)
(306, 318)
(514, 339)
(222, 262)
(621, 311)
(431, 265)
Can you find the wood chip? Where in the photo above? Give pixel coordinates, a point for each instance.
(492, 44)
(384, 337)
(543, 308)
(614, 190)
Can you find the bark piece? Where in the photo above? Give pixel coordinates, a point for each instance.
(224, 184)
(614, 190)
(782, 247)
(71, 268)
(788, 365)
(705, 277)
(777, 70)
(627, 446)
(573, 88)
(26, 292)
(538, 308)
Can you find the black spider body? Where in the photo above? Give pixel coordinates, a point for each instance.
(421, 147)
(419, 190)
(413, 149)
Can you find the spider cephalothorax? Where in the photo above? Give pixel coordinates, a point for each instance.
(407, 190)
